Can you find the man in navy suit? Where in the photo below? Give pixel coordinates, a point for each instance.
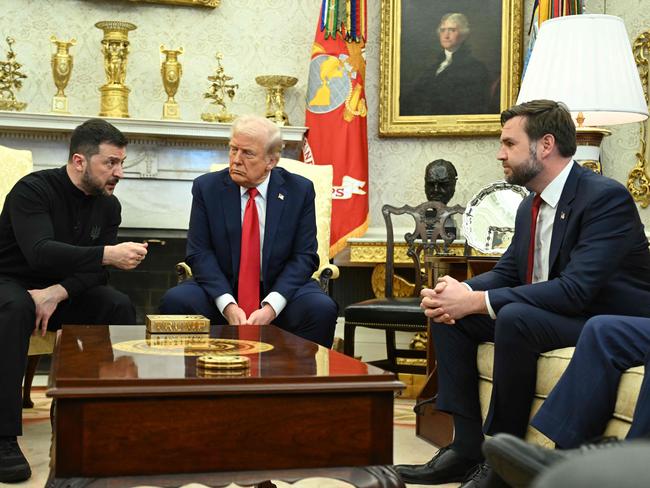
(589, 256)
(288, 297)
(582, 403)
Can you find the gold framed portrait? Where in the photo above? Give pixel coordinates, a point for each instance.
(448, 67)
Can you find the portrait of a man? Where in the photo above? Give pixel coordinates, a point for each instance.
(450, 58)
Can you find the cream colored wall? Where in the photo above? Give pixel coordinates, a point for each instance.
(259, 37)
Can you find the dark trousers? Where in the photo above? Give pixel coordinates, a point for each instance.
(310, 314)
(583, 401)
(520, 333)
(98, 305)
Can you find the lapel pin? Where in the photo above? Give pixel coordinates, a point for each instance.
(562, 215)
(280, 196)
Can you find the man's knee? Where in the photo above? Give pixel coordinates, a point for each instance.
(177, 300)
(122, 309)
(513, 322)
(19, 309)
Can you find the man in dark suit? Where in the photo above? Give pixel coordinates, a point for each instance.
(588, 255)
(455, 82)
(281, 256)
(582, 402)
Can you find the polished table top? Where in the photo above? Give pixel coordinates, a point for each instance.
(112, 360)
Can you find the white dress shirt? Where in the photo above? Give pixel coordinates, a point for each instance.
(544, 230)
(277, 301)
(445, 62)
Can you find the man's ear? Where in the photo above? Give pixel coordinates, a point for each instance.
(272, 162)
(548, 144)
(78, 161)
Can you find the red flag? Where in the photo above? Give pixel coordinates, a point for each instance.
(336, 114)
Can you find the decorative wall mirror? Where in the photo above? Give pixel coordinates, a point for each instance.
(489, 218)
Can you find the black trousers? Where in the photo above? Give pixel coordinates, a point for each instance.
(520, 333)
(98, 305)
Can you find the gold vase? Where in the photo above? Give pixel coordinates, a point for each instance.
(62, 63)
(275, 86)
(115, 48)
(171, 71)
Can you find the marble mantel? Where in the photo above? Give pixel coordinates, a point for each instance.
(163, 157)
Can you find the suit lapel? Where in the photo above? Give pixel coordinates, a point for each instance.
(275, 201)
(562, 214)
(231, 205)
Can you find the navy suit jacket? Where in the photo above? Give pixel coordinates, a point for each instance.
(599, 261)
(289, 255)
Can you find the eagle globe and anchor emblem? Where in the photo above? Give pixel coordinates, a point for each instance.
(335, 89)
(335, 84)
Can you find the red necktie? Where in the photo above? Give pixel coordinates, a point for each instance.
(534, 212)
(248, 296)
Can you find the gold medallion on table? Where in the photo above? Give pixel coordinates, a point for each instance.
(215, 362)
(191, 345)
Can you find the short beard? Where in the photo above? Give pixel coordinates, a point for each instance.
(90, 186)
(525, 172)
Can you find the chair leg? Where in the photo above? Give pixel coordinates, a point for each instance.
(348, 339)
(390, 350)
(30, 371)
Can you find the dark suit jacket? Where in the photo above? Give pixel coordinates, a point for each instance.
(599, 258)
(461, 88)
(289, 255)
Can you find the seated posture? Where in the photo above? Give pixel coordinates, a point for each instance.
(578, 408)
(58, 230)
(579, 250)
(251, 243)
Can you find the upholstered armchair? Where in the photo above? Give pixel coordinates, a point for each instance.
(321, 176)
(14, 165)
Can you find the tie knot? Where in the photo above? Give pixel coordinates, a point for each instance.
(252, 192)
(537, 201)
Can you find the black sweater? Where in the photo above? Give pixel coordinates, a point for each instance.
(51, 232)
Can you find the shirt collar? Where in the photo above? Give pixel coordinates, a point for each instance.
(553, 191)
(262, 188)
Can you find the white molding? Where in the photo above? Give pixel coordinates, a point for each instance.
(40, 126)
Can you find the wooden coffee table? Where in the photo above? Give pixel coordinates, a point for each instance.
(128, 406)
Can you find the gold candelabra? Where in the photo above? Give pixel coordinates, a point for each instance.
(11, 80)
(171, 71)
(220, 88)
(62, 63)
(115, 48)
(275, 86)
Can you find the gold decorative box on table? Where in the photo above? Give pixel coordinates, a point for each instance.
(177, 324)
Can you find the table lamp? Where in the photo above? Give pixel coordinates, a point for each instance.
(586, 62)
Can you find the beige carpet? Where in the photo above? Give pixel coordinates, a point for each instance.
(36, 441)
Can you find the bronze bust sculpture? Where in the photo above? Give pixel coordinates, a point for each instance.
(440, 181)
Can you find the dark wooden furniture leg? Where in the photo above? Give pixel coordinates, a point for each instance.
(30, 371)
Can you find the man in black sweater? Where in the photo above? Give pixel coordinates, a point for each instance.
(58, 231)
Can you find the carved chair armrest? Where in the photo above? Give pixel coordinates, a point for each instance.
(327, 272)
(183, 271)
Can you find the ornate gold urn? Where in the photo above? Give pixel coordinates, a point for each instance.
(62, 63)
(275, 86)
(171, 71)
(115, 48)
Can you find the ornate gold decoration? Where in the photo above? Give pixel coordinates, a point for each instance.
(192, 3)
(218, 91)
(375, 251)
(401, 287)
(11, 79)
(115, 48)
(191, 345)
(176, 324)
(392, 124)
(171, 71)
(275, 86)
(638, 181)
(62, 63)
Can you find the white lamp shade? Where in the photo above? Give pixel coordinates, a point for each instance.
(586, 62)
